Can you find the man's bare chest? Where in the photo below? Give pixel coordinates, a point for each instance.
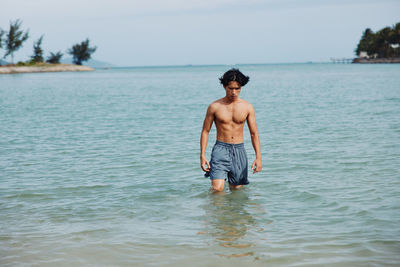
(228, 114)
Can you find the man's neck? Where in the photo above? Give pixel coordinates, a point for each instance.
(229, 101)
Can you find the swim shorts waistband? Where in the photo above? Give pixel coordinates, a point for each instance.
(228, 144)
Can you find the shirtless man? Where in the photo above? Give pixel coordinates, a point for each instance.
(228, 157)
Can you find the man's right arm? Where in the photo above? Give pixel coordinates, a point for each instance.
(208, 121)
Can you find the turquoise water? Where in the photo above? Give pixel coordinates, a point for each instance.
(102, 168)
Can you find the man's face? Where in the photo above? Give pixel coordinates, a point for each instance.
(233, 90)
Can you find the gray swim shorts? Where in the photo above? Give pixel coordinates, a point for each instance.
(229, 162)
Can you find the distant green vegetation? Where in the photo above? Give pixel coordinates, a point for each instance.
(81, 52)
(384, 43)
(37, 51)
(13, 39)
(54, 58)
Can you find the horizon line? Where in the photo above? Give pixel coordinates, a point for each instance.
(221, 64)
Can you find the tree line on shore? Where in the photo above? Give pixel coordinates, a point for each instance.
(384, 43)
(13, 39)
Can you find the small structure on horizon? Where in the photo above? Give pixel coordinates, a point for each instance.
(364, 55)
(341, 60)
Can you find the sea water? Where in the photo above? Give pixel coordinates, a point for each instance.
(102, 168)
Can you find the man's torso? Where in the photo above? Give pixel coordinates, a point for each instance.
(229, 120)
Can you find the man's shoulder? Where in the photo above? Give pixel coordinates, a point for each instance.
(216, 103)
(246, 104)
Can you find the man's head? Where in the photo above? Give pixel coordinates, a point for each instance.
(233, 80)
(234, 75)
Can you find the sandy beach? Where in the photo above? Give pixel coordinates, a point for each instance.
(43, 68)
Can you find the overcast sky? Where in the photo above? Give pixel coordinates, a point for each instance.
(180, 32)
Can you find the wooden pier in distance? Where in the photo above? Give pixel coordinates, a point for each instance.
(341, 60)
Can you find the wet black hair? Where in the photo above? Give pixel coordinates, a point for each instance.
(234, 75)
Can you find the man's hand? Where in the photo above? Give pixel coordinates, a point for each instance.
(256, 166)
(205, 165)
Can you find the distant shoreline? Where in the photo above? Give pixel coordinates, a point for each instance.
(43, 68)
(376, 60)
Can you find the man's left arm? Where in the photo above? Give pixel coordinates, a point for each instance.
(255, 140)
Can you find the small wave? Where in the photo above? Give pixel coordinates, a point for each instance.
(92, 231)
(395, 99)
(362, 213)
(84, 187)
(5, 238)
(239, 255)
(350, 163)
(304, 195)
(29, 195)
(341, 209)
